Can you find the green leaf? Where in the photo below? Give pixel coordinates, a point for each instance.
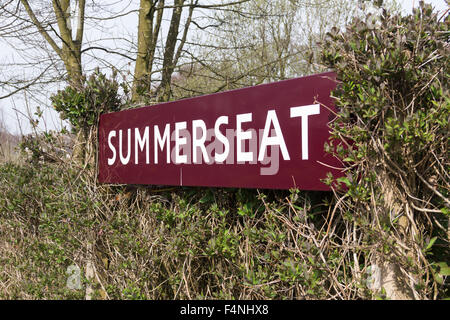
(438, 278)
(444, 269)
(344, 180)
(430, 244)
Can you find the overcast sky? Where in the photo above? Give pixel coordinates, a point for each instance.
(126, 26)
(407, 5)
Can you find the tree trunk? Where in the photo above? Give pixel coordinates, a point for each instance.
(169, 52)
(385, 274)
(148, 30)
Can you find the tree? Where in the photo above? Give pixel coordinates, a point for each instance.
(69, 49)
(150, 20)
(261, 41)
(50, 46)
(151, 14)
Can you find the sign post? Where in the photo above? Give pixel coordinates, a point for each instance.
(266, 136)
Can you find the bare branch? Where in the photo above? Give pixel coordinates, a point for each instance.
(108, 51)
(38, 25)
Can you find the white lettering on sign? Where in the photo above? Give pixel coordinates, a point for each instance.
(111, 135)
(221, 157)
(304, 112)
(179, 140)
(141, 143)
(160, 142)
(123, 159)
(277, 140)
(221, 150)
(243, 156)
(199, 143)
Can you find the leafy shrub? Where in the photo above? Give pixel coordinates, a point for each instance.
(148, 244)
(82, 106)
(393, 96)
(42, 230)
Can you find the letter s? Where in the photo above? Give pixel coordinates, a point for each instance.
(113, 149)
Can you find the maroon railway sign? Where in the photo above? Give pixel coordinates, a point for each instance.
(266, 136)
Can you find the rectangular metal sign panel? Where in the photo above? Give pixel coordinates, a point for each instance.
(266, 136)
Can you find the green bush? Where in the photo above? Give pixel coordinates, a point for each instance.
(394, 111)
(42, 229)
(82, 106)
(148, 244)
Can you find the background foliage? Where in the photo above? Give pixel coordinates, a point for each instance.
(204, 243)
